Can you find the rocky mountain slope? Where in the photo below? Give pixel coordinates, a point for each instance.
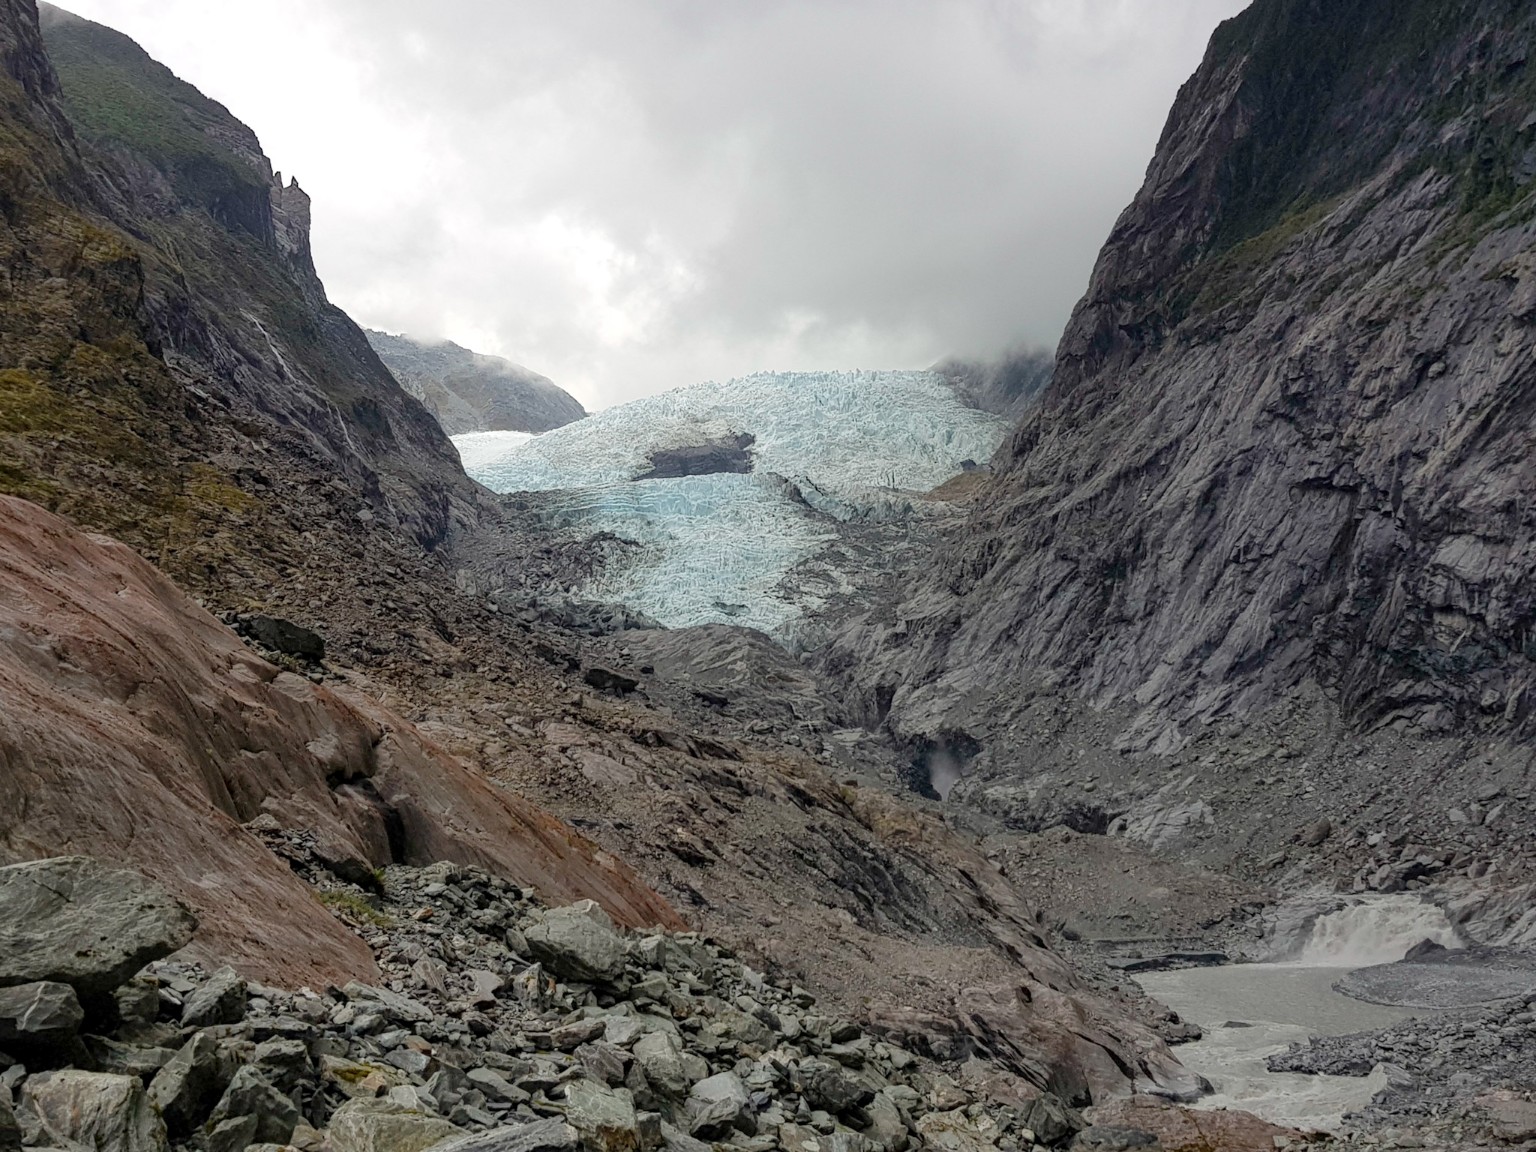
(173, 371)
(174, 376)
(1267, 521)
(471, 392)
(138, 728)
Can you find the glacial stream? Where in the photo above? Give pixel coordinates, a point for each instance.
(1252, 1011)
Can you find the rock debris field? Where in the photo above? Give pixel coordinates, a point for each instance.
(499, 1025)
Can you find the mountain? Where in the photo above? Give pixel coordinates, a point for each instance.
(1268, 521)
(470, 392)
(173, 371)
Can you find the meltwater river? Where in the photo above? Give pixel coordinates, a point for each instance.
(1252, 1011)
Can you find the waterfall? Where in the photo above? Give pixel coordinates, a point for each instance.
(1373, 931)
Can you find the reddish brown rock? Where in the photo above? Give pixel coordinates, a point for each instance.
(1193, 1130)
(136, 728)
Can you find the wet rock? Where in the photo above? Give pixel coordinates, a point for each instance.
(604, 1117)
(221, 1000)
(94, 1110)
(42, 1013)
(1424, 948)
(577, 943)
(186, 1089)
(72, 920)
(717, 1104)
(384, 1126)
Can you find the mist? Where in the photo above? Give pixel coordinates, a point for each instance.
(631, 197)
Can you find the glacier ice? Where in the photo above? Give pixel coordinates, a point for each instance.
(718, 548)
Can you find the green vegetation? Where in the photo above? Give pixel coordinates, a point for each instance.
(118, 97)
(1332, 88)
(354, 907)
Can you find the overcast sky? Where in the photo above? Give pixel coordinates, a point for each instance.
(630, 195)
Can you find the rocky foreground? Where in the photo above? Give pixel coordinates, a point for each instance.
(497, 1025)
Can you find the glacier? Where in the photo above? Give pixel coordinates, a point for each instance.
(721, 548)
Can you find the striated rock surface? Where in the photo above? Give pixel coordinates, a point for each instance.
(471, 392)
(135, 726)
(1285, 450)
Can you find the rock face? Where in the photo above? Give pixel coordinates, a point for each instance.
(470, 392)
(133, 723)
(1286, 442)
(181, 380)
(71, 921)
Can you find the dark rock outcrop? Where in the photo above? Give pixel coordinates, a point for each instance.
(472, 392)
(1286, 440)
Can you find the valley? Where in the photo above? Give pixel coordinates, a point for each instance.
(1131, 753)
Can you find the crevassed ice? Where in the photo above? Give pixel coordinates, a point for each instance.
(719, 547)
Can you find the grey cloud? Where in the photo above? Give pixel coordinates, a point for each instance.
(632, 195)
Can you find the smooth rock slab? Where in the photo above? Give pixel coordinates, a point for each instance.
(94, 1110)
(75, 921)
(43, 1013)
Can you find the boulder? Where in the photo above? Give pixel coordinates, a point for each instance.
(41, 1013)
(660, 1056)
(10, 1131)
(186, 1089)
(220, 1000)
(538, 1136)
(717, 1104)
(285, 636)
(604, 1117)
(72, 920)
(391, 1004)
(385, 1126)
(235, 1134)
(577, 942)
(1052, 1121)
(887, 1126)
(93, 1110)
(826, 1086)
(250, 1093)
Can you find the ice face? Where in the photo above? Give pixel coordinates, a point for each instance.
(718, 547)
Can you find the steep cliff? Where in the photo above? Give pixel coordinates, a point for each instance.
(1286, 452)
(471, 392)
(172, 371)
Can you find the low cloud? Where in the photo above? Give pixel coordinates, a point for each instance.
(633, 196)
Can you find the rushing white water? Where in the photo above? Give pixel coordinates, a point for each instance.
(1374, 931)
(1292, 1000)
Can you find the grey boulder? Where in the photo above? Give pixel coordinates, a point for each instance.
(717, 1104)
(604, 1117)
(577, 942)
(251, 1094)
(220, 1000)
(41, 1013)
(72, 920)
(94, 1110)
(187, 1088)
(538, 1136)
(364, 1125)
